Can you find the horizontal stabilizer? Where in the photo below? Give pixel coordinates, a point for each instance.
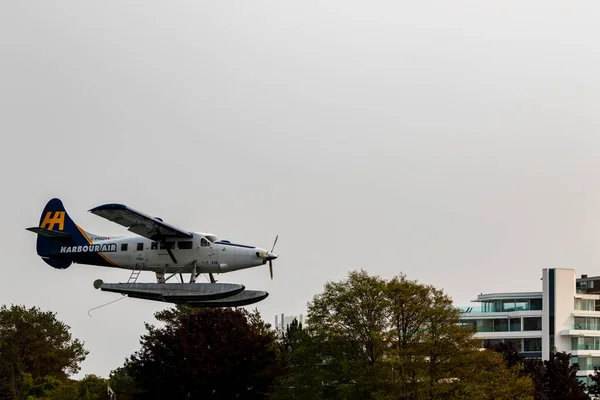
(49, 233)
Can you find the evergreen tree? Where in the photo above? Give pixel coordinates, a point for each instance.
(36, 343)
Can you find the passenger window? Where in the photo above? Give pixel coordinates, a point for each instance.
(167, 245)
(185, 245)
(140, 246)
(204, 242)
(123, 246)
(154, 246)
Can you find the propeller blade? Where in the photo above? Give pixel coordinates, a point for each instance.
(274, 243)
(271, 268)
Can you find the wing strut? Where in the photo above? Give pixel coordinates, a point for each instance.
(168, 247)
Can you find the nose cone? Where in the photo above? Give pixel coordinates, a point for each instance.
(271, 256)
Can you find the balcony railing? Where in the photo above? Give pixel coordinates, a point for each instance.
(591, 346)
(585, 327)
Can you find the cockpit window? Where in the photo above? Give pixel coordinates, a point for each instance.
(204, 242)
(211, 238)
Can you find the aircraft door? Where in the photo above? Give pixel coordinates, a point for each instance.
(141, 256)
(207, 254)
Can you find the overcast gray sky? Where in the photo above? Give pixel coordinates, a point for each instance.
(455, 141)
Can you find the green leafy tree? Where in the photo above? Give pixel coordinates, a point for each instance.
(485, 375)
(374, 339)
(594, 387)
(35, 342)
(510, 353)
(205, 353)
(123, 384)
(555, 378)
(315, 366)
(427, 341)
(560, 378)
(350, 317)
(46, 388)
(92, 387)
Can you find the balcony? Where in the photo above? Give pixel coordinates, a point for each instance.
(583, 346)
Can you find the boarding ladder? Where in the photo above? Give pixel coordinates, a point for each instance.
(134, 274)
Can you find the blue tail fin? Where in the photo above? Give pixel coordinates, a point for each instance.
(57, 229)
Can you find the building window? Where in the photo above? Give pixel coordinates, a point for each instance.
(140, 246)
(469, 323)
(590, 343)
(532, 323)
(501, 325)
(585, 304)
(515, 324)
(154, 246)
(595, 363)
(532, 344)
(123, 246)
(579, 323)
(587, 323)
(521, 305)
(585, 343)
(517, 343)
(584, 362)
(576, 360)
(186, 245)
(508, 305)
(485, 325)
(536, 304)
(487, 343)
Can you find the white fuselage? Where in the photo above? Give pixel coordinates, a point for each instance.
(202, 251)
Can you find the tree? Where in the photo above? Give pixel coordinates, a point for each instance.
(427, 341)
(205, 353)
(560, 379)
(92, 387)
(484, 375)
(350, 318)
(315, 366)
(554, 378)
(374, 339)
(35, 342)
(510, 353)
(594, 388)
(123, 384)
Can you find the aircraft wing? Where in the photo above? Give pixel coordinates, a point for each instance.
(138, 222)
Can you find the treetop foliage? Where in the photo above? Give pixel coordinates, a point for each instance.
(366, 338)
(204, 353)
(369, 338)
(35, 343)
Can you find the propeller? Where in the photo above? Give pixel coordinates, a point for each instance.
(271, 258)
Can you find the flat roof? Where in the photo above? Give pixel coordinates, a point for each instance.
(588, 278)
(508, 296)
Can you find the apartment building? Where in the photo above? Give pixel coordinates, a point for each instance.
(564, 315)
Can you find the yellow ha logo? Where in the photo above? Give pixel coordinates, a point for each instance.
(49, 220)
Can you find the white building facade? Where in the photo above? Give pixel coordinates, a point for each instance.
(563, 316)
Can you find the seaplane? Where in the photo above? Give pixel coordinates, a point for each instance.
(156, 246)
